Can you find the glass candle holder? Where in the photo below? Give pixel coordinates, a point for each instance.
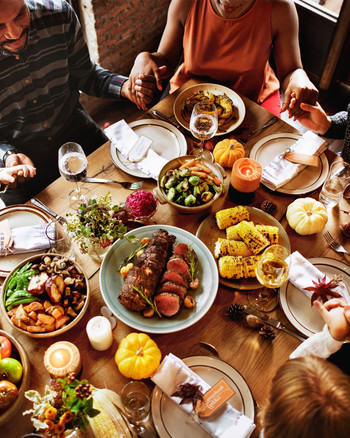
(245, 179)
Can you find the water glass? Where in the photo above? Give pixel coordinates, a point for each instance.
(136, 397)
(60, 241)
(333, 187)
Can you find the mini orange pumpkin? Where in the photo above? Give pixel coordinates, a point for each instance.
(227, 151)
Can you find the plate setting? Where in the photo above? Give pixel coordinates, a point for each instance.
(111, 283)
(171, 421)
(216, 89)
(168, 142)
(297, 306)
(309, 179)
(208, 232)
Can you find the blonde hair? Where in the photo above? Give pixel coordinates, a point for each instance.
(309, 398)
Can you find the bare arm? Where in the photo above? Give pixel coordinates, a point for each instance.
(285, 27)
(161, 64)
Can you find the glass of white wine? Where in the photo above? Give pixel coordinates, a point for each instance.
(203, 125)
(272, 272)
(73, 165)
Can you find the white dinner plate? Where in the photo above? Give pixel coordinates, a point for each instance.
(20, 216)
(239, 107)
(111, 283)
(297, 306)
(171, 421)
(309, 179)
(168, 142)
(208, 232)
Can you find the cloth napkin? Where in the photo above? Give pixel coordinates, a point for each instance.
(136, 149)
(28, 239)
(227, 422)
(280, 171)
(302, 273)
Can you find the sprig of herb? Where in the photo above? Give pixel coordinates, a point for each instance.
(132, 255)
(148, 300)
(193, 261)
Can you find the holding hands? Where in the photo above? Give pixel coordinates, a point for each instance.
(337, 317)
(10, 175)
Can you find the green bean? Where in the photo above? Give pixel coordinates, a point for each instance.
(18, 294)
(21, 301)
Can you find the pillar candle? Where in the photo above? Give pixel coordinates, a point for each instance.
(246, 175)
(62, 358)
(99, 332)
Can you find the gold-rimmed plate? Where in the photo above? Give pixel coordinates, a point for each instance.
(19, 216)
(216, 89)
(208, 232)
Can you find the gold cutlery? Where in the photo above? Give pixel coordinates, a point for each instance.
(334, 244)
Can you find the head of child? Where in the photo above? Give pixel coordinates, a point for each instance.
(309, 398)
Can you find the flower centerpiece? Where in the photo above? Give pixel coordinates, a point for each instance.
(66, 406)
(98, 223)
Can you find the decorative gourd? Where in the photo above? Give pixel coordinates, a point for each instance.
(138, 356)
(227, 151)
(307, 216)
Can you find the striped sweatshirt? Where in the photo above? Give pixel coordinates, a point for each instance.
(39, 87)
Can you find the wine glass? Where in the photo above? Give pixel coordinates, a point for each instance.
(272, 271)
(72, 164)
(203, 125)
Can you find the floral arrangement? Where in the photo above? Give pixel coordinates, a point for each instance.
(66, 405)
(98, 221)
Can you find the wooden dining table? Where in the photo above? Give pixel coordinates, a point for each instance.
(255, 358)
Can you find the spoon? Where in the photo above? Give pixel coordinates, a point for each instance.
(211, 348)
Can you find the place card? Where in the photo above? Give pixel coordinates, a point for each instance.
(213, 399)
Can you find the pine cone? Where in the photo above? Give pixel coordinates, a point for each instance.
(267, 332)
(236, 312)
(268, 206)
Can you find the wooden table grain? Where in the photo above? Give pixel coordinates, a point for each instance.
(254, 358)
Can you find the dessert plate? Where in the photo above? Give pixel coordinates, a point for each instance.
(171, 421)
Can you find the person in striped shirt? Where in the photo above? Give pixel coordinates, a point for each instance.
(44, 64)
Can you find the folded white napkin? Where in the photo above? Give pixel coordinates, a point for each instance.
(302, 273)
(227, 422)
(135, 149)
(280, 171)
(28, 239)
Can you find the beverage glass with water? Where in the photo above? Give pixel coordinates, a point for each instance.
(334, 185)
(135, 397)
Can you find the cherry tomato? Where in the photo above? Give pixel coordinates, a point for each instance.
(5, 347)
(8, 394)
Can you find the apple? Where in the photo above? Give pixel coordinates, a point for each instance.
(5, 347)
(11, 369)
(8, 394)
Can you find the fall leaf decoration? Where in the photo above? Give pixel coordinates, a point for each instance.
(189, 393)
(322, 289)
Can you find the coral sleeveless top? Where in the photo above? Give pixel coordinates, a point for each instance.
(231, 51)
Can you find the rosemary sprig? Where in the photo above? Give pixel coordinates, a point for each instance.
(193, 260)
(132, 255)
(148, 300)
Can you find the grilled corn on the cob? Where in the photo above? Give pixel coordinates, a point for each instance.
(231, 247)
(231, 232)
(231, 216)
(252, 237)
(270, 232)
(237, 267)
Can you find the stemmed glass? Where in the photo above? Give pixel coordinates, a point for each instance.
(272, 272)
(72, 164)
(203, 125)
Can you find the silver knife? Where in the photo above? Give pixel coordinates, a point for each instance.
(271, 321)
(48, 210)
(166, 119)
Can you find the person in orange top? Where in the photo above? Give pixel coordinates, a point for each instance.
(230, 42)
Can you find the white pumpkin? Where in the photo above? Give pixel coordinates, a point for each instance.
(307, 216)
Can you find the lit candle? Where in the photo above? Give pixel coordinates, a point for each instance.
(245, 179)
(99, 332)
(62, 358)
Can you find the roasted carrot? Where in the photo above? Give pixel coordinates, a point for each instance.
(198, 173)
(188, 163)
(203, 167)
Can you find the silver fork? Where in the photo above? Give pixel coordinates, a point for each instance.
(127, 185)
(334, 244)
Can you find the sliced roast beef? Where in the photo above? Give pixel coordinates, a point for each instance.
(146, 272)
(175, 277)
(168, 304)
(174, 288)
(177, 264)
(181, 249)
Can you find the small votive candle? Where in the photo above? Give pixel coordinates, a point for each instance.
(99, 332)
(245, 179)
(62, 358)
